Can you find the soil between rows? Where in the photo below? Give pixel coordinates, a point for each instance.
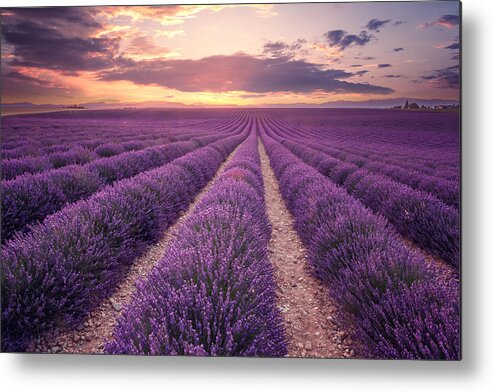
(90, 336)
(310, 317)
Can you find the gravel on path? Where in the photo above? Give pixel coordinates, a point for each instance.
(90, 336)
(310, 317)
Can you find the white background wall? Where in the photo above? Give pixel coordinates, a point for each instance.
(89, 373)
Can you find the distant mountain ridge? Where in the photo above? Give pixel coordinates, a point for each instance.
(369, 104)
(28, 105)
(341, 104)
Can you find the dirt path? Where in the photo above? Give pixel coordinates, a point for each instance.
(310, 318)
(90, 336)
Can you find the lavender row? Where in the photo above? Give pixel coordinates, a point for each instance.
(28, 199)
(399, 307)
(12, 168)
(213, 293)
(401, 134)
(404, 156)
(61, 270)
(38, 142)
(102, 147)
(419, 216)
(80, 155)
(445, 190)
(89, 141)
(398, 157)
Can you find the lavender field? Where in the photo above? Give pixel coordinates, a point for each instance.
(327, 233)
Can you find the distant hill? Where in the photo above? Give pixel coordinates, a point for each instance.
(148, 105)
(369, 104)
(28, 105)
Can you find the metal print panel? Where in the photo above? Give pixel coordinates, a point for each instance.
(261, 180)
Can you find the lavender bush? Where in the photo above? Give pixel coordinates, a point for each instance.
(28, 199)
(63, 268)
(415, 214)
(375, 278)
(213, 293)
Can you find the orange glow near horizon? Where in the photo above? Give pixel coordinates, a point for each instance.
(127, 54)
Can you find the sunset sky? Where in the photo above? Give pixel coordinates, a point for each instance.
(231, 54)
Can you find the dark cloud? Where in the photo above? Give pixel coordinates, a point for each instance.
(453, 46)
(15, 75)
(20, 87)
(398, 23)
(444, 78)
(384, 65)
(376, 25)
(398, 49)
(393, 76)
(57, 39)
(241, 72)
(37, 46)
(280, 48)
(361, 73)
(356, 65)
(59, 17)
(341, 39)
(447, 21)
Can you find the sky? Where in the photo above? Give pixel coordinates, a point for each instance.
(258, 54)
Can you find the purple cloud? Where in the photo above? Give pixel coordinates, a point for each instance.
(376, 25)
(361, 73)
(23, 87)
(242, 72)
(444, 78)
(384, 65)
(453, 46)
(448, 21)
(26, 78)
(398, 49)
(341, 39)
(58, 39)
(280, 48)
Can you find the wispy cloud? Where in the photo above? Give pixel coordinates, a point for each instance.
(281, 48)
(448, 21)
(444, 78)
(143, 47)
(366, 58)
(169, 15)
(168, 33)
